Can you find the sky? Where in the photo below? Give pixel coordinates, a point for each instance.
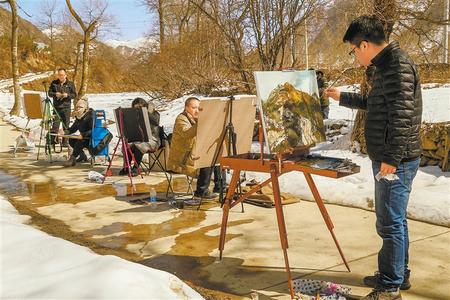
(131, 18)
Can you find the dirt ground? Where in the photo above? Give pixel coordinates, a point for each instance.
(63, 203)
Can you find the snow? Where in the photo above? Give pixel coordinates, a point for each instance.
(436, 105)
(7, 83)
(429, 200)
(39, 266)
(133, 44)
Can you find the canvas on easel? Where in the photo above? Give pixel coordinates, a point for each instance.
(32, 106)
(291, 109)
(136, 124)
(212, 121)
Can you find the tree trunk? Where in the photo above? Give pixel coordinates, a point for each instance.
(88, 29)
(161, 23)
(14, 60)
(85, 67)
(77, 63)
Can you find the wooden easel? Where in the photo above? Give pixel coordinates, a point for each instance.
(276, 165)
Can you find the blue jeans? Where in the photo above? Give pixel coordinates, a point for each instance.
(391, 200)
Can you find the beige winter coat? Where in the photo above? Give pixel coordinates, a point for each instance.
(183, 141)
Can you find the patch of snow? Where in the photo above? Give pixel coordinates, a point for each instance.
(7, 83)
(136, 44)
(36, 265)
(429, 200)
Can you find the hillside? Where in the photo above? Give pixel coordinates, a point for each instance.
(108, 68)
(31, 59)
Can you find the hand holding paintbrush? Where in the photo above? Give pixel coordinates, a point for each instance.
(333, 92)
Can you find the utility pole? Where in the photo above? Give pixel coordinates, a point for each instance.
(446, 33)
(306, 45)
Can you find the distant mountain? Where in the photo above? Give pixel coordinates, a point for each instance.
(130, 47)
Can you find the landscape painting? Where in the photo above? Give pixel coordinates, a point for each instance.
(291, 109)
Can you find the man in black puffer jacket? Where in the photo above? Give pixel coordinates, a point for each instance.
(62, 91)
(394, 111)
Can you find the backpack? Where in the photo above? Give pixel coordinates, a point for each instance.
(99, 141)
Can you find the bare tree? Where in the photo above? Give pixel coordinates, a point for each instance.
(160, 7)
(273, 23)
(95, 15)
(14, 56)
(48, 22)
(229, 16)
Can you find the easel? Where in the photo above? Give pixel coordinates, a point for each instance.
(31, 111)
(276, 165)
(231, 137)
(46, 124)
(126, 150)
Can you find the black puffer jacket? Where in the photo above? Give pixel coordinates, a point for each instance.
(67, 87)
(394, 108)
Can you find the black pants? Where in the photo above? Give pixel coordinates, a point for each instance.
(137, 155)
(64, 115)
(204, 177)
(78, 146)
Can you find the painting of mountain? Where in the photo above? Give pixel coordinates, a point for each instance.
(291, 109)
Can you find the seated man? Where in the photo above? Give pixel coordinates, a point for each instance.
(83, 123)
(140, 148)
(183, 140)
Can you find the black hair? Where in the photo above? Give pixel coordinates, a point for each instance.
(62, 69)
(139, 101)
(188, 101)
(365, 28)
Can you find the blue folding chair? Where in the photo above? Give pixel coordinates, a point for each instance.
(99, 132)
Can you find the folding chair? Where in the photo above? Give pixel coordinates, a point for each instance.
(155, 158)
(188, 195)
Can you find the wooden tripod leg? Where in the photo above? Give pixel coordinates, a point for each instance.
(226, 209)
(281, 225)
(325, 215)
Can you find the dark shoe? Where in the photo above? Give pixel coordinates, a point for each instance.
(206, 195)
(192, 202)
(383, 295)
(82, 157)
(371, 281)
(124, 171)
(70, 162)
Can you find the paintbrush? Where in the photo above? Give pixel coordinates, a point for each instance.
(339, 77)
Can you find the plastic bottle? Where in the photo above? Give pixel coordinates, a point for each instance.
(152, 195)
